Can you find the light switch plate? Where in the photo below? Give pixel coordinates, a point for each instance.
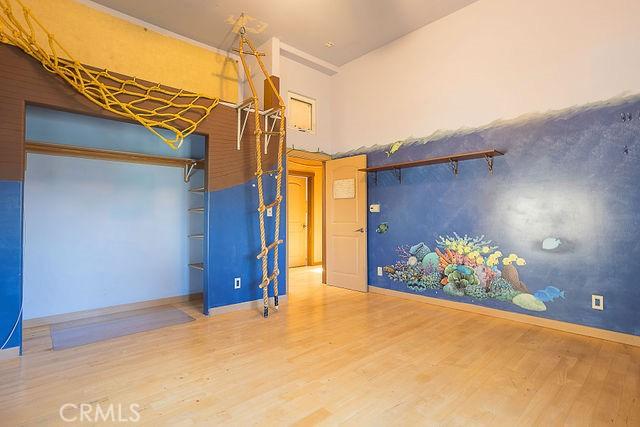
(597, 302)
(269, 211)
(374, 208)
(379, 271)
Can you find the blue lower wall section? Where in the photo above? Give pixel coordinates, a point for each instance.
(10, 263)
(234, 242)
(563, 199)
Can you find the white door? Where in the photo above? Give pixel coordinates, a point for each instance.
(346, 223)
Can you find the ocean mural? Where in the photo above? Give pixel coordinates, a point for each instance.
(555, 221)
(470, 267)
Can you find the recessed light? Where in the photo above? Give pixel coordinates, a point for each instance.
(329, 44)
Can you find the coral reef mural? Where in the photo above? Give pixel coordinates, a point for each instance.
(558, 211)
(471, 267)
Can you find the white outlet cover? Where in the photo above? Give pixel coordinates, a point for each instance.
(374, 208)
(379, 271)
(269, 211)
(597, 302)
(237, 283)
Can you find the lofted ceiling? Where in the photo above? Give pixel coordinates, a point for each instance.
(355, 27)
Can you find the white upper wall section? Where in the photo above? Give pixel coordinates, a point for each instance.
(311, 83)
(494, 59)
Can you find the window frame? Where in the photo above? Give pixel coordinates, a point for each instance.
(301, 98)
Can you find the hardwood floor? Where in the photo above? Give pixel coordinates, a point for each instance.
(333, 356)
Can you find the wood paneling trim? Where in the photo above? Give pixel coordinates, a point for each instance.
(118, 156)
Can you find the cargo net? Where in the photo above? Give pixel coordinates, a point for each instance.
(153, 106)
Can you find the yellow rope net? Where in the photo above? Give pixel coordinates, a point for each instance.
(153, 106)
(262, 207)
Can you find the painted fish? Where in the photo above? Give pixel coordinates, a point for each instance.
(549, 293)
(551, 243)
(554, 292)
(543, 296)
(395, 147)
(382, 228)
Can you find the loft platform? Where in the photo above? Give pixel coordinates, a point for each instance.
(452, 160)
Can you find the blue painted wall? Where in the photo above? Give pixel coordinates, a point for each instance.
(234, 242)
(58, 127)
(10, 263)
(101, 233)
(571, 176)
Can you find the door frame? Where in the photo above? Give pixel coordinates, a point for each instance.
(310, 214)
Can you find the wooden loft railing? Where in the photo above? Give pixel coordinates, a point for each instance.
(451, 159)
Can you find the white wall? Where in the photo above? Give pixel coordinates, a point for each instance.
(311, 83)
(495, 59)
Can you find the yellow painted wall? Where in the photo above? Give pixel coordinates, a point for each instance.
(101, 40)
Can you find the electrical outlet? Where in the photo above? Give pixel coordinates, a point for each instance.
(597, 302)
(269, 211)
(237, 283)
(379, 271)
(374, 208)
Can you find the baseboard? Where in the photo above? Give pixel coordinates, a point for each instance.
(76, 315)
(517, 317)
(9, 353)
(248, 305)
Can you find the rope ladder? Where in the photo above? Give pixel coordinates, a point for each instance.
(267, 277)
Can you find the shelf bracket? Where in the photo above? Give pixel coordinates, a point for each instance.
(453, 164)
(489, 160)
(189, 170)
(267, 135)
(246, 107)
(398, 173)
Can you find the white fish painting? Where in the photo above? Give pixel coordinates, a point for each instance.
(551, 243)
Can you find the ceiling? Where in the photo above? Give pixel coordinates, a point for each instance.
(354, 26)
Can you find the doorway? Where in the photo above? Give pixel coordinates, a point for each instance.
(305, 218)
(299, 207)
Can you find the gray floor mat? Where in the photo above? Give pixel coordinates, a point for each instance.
(100, 328)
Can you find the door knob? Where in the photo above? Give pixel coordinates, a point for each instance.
(359, 230)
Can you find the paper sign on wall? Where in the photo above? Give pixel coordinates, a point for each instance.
(344, 188)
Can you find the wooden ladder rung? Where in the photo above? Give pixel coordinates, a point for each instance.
(266, 250)
(268, 172)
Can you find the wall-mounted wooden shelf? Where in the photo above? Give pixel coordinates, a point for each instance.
(451, 159)
(118, 156)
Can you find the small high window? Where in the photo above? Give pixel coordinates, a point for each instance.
(302, 113)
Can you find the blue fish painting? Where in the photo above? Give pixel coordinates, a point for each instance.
(549, 293)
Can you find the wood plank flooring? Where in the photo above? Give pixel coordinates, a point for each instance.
(333, 356)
